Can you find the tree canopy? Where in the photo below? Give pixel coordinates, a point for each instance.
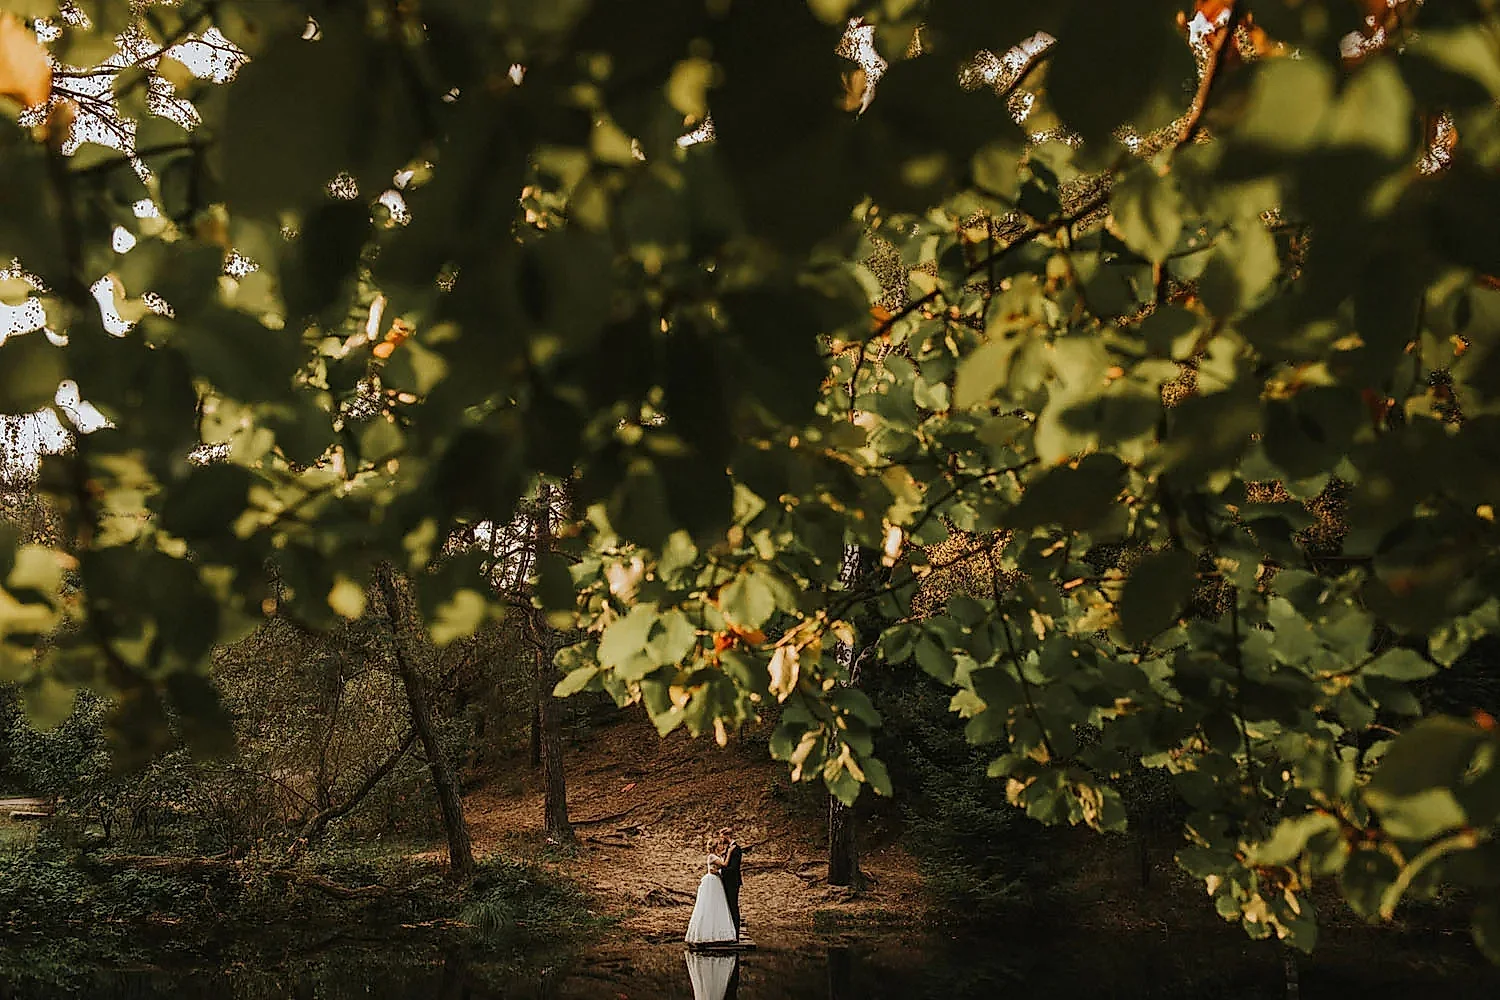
(1156, 348)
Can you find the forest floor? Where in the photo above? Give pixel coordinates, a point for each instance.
(642, 808)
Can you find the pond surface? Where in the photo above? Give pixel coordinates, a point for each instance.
(870, 968)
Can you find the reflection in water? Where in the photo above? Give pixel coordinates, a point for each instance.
(1035, 967)
(714, 977)
(840, 974)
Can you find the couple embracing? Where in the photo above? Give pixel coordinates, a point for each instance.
(716, 915)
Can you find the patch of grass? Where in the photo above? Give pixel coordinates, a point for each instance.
(16, 837)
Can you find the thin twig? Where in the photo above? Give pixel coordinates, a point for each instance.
(1192, 124)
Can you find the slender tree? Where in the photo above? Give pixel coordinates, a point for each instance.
(860, 571)
(444, 782)
(548, 715)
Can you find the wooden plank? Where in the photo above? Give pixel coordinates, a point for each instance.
(743, 944)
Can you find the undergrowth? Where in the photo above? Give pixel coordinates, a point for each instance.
(61, 901)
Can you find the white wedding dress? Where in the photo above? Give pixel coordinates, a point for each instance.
(710, 975)
(711, 922)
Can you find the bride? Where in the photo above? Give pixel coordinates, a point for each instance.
(711, 922)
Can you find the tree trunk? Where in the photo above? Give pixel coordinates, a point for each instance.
(549, 711)
(536, 718)
(556, 808)
(843, 826)
(843, 844)
(450, 802)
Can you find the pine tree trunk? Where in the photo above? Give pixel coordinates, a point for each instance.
(843, 825)
(536, 718)
(555, 821)
(450, 802)
(549, 711)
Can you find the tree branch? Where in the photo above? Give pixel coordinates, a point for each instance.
(1193, 122)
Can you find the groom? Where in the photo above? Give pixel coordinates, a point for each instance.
(730, 876)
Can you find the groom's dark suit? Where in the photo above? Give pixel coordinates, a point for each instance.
(730, 876)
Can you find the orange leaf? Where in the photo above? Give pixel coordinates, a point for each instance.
(25, 74)
(397, 334)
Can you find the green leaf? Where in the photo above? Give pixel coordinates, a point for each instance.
(30, 370)
(1070, 497)
(554, 581)
(625, 638)
(1374, 111)
(36, 571)
(1242, 265)
(749, 600)
(47, 702)
(856, 703)
(997, 170)
(574, 681)
(1435, 753)
(674, 637)
(302, 111)
(196, 508)
(1156, 593)
(935, 658)
(1147, 211)
(241, 357)
(320, 262)
(877, 776)
(982, 372)
(1365, 879)
(1288, 101)
(1402, 664)
(1290, 837)
(1171, 330)
(1119, 63)
(1421, 816)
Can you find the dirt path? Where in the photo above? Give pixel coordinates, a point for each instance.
(643, 808)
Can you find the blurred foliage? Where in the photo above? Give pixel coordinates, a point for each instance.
(1141, 280)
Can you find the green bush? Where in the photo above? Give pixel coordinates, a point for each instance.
(520, 902)
(977, 853)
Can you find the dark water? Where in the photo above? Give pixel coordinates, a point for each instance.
(885, 968)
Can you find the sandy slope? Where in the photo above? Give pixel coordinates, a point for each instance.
(644, 806)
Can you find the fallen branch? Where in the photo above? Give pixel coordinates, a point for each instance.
(605, 841)
(594, 821)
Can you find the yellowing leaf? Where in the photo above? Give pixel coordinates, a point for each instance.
(25, 74)
(784, 670)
